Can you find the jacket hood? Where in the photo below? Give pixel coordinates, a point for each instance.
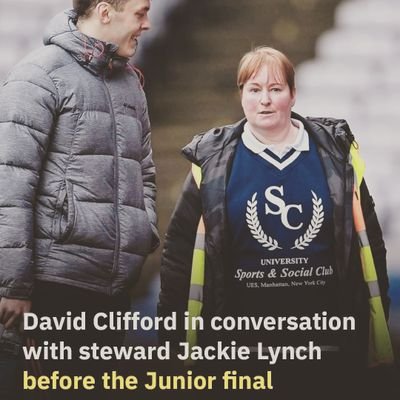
(205, 144)
(95, 55)
(332, 134)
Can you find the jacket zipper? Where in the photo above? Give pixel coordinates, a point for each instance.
(116, 180)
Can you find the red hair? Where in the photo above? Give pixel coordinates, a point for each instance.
(252, 61)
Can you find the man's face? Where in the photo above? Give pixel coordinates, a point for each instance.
(127, 24)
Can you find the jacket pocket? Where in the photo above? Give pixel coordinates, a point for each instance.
(64, 219)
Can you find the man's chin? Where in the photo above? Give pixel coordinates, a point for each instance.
(127, 53)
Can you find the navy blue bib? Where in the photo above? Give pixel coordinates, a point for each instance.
(280, 219)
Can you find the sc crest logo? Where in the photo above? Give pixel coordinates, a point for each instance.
(282, 209)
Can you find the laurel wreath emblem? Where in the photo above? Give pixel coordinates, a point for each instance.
(255, 227)
(272, 244)
(315, 225)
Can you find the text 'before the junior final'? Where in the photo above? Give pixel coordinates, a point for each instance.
(112, 381)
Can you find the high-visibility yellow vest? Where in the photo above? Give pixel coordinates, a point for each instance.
(195, 302)
(380, 347)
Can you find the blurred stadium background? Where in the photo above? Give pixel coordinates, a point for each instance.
(347, 61)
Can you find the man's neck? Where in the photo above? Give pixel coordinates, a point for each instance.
(89, 28)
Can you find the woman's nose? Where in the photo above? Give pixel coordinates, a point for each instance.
(265, 97)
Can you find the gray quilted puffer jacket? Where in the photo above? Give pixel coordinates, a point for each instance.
(77, 179)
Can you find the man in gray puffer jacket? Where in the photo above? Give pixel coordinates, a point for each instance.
(77, 179)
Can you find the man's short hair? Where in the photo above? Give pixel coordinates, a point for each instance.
(84, 7)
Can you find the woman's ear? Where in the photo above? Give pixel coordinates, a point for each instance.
(293, 102)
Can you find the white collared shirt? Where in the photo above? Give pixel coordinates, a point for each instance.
(301, 143)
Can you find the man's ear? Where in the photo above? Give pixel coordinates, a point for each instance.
(104, 12)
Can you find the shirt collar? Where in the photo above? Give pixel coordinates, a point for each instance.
(302, 142)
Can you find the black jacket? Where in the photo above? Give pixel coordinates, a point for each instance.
(214, 151)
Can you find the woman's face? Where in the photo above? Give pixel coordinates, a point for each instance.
(267, 102)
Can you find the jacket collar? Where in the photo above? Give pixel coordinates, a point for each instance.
(95, 55)
(333, 135)
(206, 144)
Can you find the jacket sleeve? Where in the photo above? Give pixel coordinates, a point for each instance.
(28, 102)
(149, 175)
(377, 244)
(176, 262)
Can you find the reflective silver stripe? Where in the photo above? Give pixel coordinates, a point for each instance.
(196, 292)
(373, 288)
(363, 238)
(266, 350)
(199, 243)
